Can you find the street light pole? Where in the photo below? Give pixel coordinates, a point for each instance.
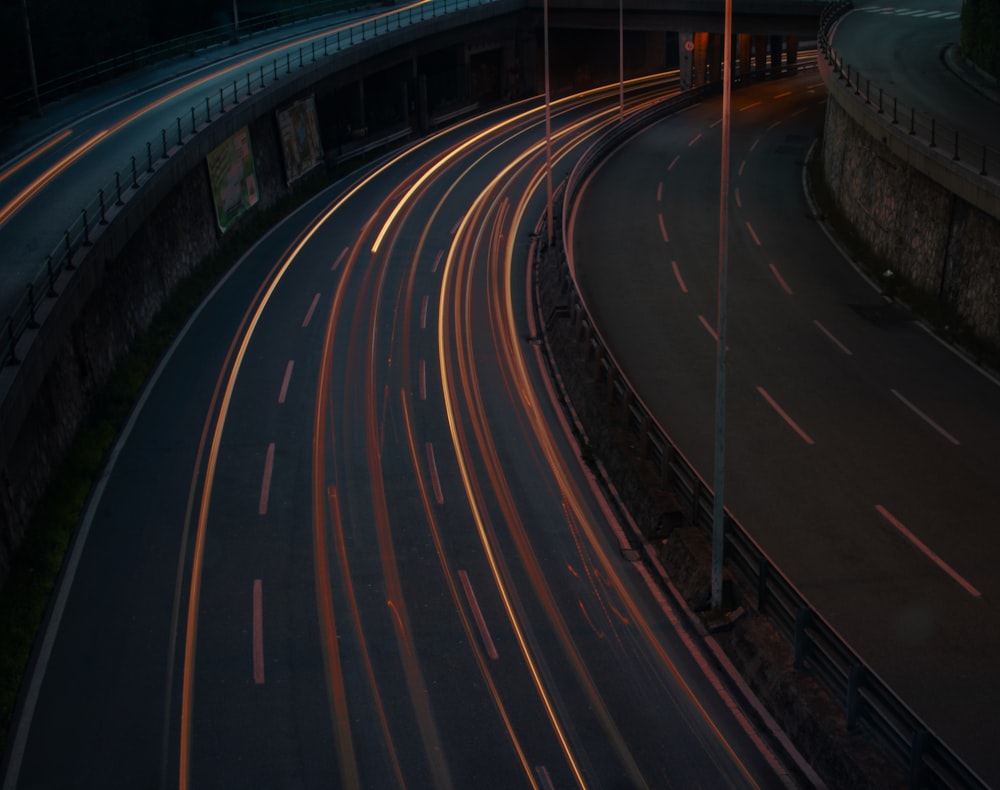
(621, 61)
(548, 121)
(718, 502)
(31, 58)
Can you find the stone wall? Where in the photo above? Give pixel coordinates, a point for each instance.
(933, 222)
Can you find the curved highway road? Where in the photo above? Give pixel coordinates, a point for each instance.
(861, 453)
(340, 545)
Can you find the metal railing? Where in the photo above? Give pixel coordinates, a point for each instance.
(977, 157)
(867, 701)
(22, 102)
(119, 187)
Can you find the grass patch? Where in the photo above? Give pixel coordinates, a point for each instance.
(37, 563)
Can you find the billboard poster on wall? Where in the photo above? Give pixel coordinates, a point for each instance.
(233, 177)
(300, 138)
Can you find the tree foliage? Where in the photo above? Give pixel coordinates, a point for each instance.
(981, 34)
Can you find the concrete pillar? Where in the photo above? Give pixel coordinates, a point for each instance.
(744, 45)
(760, 53)
(776, 46)
(685, 58)
(792, 52)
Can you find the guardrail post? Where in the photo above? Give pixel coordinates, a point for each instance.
(762, 573)
(249, 89)
(118, 188)
(86, 229)
(917, 749)
(69, 250)
(208, 111)
(12, 344)
(324, 47)
(52, 277)
(853, 703)
(262, 76)
(868, 90)
(180, 136)
(149, 157)
(100, 196)
(135, 177)
(194, 125)
(288, 63)
(802, 619)
(222, 102)
(300, 57)
(312, 44)
(32, 320)
(857, 83)
(163, 136)
(236, 93)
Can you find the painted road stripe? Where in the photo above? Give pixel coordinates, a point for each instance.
(265, 483)
(309, 312)
(694, 139)
(780, 279)
(833, 340)
(934, 557)
(749, 106)
(258, 632)
(663, 228)
(423, 313)
(423, 380)
(781, 412)
(743, 165)
(677, 274)
(782, 95)
(659, 192)
(709, 328)
(340, 259)
(285, 380)
(739, 203)
(477, 615)
(750, 228)
(673, 162)
(926, 419)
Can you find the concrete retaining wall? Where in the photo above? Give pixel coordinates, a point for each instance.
(935, 221)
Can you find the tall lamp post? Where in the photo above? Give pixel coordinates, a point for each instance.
(718, 502)
(31, 58)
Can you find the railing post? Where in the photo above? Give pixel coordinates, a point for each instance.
(275, 64)
(118, 187)
(163, 134)
(208, 111)
(262, 76)
(868, 90)
(194, 125)
(249, 89)
(762, 566)
(180, 135)
(12, 342)
(52, 277)
(236, 93)
(32, 320)
(917, 749)
(222, 101)
(69, 250)
(100, 195)
(288, 63)
(149, 157)
(300, 57)
(853, 702)
(802, 619)
(86, 229)
(312, 44)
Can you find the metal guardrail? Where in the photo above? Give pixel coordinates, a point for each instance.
(118, 189)
(23, 101)
(868, 702)
(978, 157)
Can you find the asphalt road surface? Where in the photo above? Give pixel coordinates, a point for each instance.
(861, 452)
(345, 541)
